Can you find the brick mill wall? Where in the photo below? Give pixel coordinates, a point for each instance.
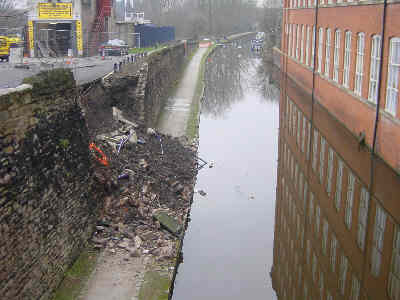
(47, 210)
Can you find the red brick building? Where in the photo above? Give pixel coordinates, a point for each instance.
(337, 233)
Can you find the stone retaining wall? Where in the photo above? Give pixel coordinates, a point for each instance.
(47, 207)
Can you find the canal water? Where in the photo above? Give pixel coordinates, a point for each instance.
(228, 247)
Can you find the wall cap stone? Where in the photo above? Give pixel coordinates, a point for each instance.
(19, 88)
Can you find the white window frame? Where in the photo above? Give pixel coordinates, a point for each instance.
(299, 118)
(313, 47)
(359, 74)
(339, 179)
(314, 267)
(308, 46)
(355, 289)
(334, 245)
(330, 171)
(294, 40)
(362, 217)
(347, 59)
(336, 56)
(309, 140)
(322, 160)
(305, 291)
(378, 239)
(290, 40)
(325, 229)
(349, 200)
(374, 68)
(308, 252)
(315, 149)
(300, 275)
(393, 77)
(343, 274)
(298, 43)
(328, 52)
(311, 208)
(320, 49)
(303, 140)
(294, 115)
(394, 274)
(305, 195)
(321, 284)
(301, 182)
(302, 44)
(317, 219)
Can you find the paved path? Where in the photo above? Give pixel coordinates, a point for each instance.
(177, 111)
(116, 277)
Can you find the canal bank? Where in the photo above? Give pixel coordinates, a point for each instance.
(227, 250)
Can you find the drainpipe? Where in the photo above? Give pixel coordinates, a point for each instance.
(370, 190)
(382, 45)
(313, 78)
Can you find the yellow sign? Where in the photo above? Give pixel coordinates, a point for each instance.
(79, 42)
(55, 11)
(30, 35)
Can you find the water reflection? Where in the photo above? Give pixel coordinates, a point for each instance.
(267, 82)
(227, 248)
(333, 238)
(226, 77)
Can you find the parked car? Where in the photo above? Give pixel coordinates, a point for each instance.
(114, 48)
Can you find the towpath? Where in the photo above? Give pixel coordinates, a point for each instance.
(177, 111)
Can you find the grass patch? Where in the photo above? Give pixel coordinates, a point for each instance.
(141, 50)
(76, 276)
(192, 129)
(155, 287)
(148, 49)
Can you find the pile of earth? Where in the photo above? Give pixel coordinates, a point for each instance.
(150, 175)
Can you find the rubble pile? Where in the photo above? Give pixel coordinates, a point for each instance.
(150, 179)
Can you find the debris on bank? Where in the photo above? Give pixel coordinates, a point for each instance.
(149, 179)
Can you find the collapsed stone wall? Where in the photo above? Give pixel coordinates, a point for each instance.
(141, 90)
(50, 194)
(47, 208)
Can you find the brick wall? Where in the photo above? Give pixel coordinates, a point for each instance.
(46, 209)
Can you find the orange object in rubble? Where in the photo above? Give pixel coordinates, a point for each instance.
(100, 156)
